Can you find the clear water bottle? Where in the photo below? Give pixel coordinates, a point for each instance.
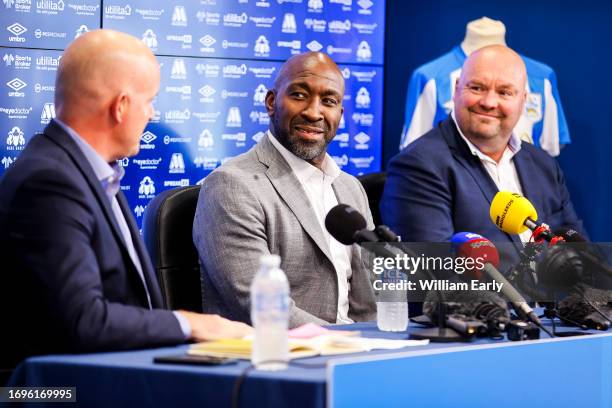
(392, 304)
(270, 315)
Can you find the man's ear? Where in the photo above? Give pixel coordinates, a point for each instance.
(270, 101)
(119, 107)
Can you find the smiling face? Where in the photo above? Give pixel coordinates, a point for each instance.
(305, 105)
(490, 94)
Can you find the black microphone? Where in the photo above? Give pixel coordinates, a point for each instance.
(576, 239)
(348, 227)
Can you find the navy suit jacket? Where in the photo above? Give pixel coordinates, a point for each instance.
(67, 282)
(436, 187)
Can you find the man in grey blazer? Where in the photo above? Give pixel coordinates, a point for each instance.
(274, 198)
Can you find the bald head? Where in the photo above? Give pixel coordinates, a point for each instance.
(490, 96)
(496, 58)
(96, 66)
(307, 62)
(104, 88)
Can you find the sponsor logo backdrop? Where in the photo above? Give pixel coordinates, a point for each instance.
(217, 58)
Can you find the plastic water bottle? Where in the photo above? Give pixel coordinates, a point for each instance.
(270, 315)
(392, 305)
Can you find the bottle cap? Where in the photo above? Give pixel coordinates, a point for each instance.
(270, 261)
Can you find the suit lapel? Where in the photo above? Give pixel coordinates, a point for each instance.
(525, 166)
(290, 190)
(65, 142)
(59, 136)
(147, 267)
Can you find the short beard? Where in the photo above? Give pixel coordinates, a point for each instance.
(304, 150)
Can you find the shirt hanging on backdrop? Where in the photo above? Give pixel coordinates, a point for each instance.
(430, 100)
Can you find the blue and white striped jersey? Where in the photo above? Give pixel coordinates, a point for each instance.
(430, 100)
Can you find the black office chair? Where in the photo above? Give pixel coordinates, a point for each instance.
(167, 225)
(374, 184)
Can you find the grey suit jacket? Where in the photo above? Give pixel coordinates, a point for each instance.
(255, 205)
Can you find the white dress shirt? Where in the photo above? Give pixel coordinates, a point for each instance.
(504, 173)
(318, 187)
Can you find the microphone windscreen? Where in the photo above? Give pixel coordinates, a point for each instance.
(509, 211)
(570, 235)
(479, 248)
(461, 238)
(343, 221)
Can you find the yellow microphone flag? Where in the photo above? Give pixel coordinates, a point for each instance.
(509, 211)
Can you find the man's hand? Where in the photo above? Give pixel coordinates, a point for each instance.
(211, 327)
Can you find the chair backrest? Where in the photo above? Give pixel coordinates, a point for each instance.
(167, 226)
(373, 184)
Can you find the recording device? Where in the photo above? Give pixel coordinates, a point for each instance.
(470, 313)
(483, 248)
(519, 330)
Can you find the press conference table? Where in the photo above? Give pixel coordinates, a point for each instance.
(561, 372)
